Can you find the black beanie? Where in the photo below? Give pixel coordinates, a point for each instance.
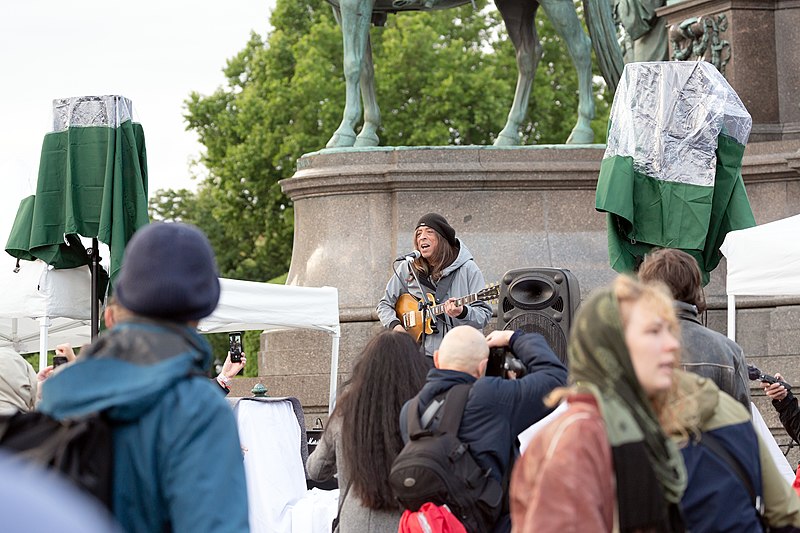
(440, 225)
(169, 271)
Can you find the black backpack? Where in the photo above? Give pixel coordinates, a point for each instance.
(79, 449)
(435, 466)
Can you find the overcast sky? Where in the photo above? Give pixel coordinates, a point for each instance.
(153, 52)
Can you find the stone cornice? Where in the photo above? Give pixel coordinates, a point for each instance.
(355, 171)
(530, 168)
(716, 6)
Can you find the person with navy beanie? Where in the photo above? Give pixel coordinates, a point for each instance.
(445, 269)
(177, 456)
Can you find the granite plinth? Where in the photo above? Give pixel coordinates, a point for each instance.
(355, 211)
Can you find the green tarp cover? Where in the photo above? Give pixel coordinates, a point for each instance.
(671, 174)
(93, 183)
(644, 212)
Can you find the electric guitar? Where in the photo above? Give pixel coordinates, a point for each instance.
(409, 314)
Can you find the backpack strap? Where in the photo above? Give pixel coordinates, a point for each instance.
(714, 445)
(455, 399)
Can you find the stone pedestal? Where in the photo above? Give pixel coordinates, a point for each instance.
(762, 38)
(355, 211)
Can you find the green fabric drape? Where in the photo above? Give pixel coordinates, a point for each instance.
(644, 212)
(93, 183)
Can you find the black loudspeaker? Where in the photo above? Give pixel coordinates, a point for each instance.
(540, 300)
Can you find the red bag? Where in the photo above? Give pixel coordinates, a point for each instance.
(796, 484)
(430, 519)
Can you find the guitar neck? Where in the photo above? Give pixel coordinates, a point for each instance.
(468, 299)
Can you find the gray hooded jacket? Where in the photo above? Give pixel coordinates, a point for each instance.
(464, 278)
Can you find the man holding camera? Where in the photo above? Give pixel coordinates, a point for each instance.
(497, 409)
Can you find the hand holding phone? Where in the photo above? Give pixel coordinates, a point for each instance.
(235, 338)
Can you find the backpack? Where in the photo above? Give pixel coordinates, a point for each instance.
(80, 449)
(436, 467)
(429, 518)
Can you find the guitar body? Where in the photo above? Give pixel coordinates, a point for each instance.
(407, 309)
(408, 313)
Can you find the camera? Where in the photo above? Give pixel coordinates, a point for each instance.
(757, 375)
(235, 338)
(502, 363)
(59, 360)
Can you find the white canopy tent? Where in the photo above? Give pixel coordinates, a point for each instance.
(41, 307)
(247, 305)
(762, 261)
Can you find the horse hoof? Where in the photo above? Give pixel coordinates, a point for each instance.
(506, 140)
(581, 136)
(363, 139)
(341, 140)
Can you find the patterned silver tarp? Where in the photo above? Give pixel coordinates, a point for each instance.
(109, 110)
(667, 116)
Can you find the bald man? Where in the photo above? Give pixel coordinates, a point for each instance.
(497, 409)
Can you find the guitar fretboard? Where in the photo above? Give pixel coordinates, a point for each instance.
(468, 299)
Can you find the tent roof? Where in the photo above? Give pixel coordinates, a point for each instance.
(63, 295)
(249, 305)
(37, 291)
(762, 261)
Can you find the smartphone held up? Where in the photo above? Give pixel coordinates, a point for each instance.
(235, 338)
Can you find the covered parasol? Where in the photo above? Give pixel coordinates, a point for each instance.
(92, 183)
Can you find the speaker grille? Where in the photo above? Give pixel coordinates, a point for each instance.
(544, 325)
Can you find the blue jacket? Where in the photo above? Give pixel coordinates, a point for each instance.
(716, 499)
(499, 409)
(177, 458)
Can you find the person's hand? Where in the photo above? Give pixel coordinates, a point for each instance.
(499, 338)
(452, 309)
(44, 373)
(230, 369)
(65, 350)
(400, 328)
(776, 391)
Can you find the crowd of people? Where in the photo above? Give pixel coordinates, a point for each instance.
(652, 432)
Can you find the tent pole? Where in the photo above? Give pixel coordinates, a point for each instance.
(94, 259)
(732, 317)
(334, 369)
(44, 323)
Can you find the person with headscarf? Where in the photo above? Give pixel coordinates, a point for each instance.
(446, 270)
(606, 464)
(18, 383)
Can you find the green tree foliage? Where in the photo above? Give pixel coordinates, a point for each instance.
(444, 77)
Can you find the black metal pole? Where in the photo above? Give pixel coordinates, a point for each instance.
(94, 260)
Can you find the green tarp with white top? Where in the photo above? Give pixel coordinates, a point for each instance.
(671, 175)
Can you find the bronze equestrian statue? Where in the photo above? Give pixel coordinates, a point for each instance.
(355, 17)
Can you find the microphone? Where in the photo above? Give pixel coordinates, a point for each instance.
(410, 256)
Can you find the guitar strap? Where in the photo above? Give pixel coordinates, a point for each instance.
(442, 290)
(427, 284)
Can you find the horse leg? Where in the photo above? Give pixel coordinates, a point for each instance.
(354, 18)
(565, 20)
(372, 114)
(520, 19)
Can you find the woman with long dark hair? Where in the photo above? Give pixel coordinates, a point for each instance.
(363, 434)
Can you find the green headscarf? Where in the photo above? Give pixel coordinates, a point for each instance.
(600, 364)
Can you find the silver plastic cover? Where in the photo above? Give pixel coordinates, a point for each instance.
(109, 111)
(667, 115)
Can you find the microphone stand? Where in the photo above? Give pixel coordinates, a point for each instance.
(424, 304)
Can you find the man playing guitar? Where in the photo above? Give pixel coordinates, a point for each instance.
(445, 268)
